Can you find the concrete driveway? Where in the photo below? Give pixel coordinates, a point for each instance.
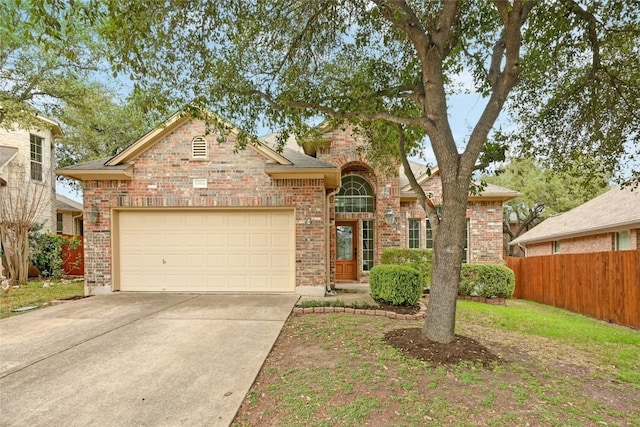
(136, 359)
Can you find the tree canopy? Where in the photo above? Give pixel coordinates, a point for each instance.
(544, 192)
(389, 67)
(39, 67)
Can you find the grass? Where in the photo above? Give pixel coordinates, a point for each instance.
(611, 345)
(336, 370)
(33, 294)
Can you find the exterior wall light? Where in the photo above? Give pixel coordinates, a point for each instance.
(390, 217)
(93, 213)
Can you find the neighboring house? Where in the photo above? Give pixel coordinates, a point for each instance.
(178, 210)
(27, 160)
(609, 222)
(68, 216)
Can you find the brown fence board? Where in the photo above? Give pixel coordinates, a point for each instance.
(73, 260)
(604, 285)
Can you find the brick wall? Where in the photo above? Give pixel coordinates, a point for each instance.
(485, 226)
(163, 177)
(602, 242)
(342, 151)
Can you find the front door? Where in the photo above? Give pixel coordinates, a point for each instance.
(346, 251)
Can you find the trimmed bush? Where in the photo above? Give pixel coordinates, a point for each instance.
(420, 259)
(396, 284)
(486, 280)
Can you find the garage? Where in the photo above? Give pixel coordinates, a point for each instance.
(205, 250)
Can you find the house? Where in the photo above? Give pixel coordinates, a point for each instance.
(27, 160)
(609, 222)
(68, 216)
(180, 210)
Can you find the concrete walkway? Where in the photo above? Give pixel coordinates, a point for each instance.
(136, 359)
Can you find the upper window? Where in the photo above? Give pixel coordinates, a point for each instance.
(623, 240)
(36, 157)
(414, 233)
(356, 195)
(199, 148)
(59, 222)
(556, 246)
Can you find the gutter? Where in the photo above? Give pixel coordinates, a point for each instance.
(328, 290)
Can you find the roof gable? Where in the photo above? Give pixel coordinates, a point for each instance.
(617, 209)
(174, 122)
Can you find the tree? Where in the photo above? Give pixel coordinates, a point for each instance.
(545, 192)
(387, 67)
(20, 206)
(100, 127)
(39, 69)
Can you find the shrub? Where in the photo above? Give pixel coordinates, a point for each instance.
(420, 259)
(48, 254)
(396, 284)
(486, 280)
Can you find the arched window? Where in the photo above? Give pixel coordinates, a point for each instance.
(356, 195)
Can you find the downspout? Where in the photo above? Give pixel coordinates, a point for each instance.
(328, 290)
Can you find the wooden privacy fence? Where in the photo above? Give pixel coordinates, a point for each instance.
(604, 285)
(73, 260)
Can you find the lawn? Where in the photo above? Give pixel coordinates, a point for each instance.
(558, 369)
(34, 294)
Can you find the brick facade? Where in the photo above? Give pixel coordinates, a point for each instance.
(601, 242)
(163, 178)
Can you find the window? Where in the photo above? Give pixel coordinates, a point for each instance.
(59, 227)
(414, 233)
(467, 253)
(556, 246)
(355, 196)
(199, 148)
(623, 240)
(429, 238)
(367, 245)
(36, 158)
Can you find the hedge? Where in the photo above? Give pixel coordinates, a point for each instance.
(420, 259)
(486, 280)
(396, 284)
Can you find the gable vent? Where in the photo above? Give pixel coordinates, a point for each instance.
(199, 148)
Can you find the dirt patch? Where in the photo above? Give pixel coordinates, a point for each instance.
(400, 309)
(463, 349)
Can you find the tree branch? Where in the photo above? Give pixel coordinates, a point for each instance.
(592, 22)
(418, 122)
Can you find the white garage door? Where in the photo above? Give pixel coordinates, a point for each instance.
(206, 251)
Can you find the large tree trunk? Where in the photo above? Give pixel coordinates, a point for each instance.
(448, 254)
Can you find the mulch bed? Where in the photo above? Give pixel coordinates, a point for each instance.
(463, 349)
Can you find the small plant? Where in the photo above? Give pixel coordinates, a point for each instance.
(396, 284)
(48, 254)
(420, 259)
(486, 280)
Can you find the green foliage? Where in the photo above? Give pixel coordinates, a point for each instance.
(37, 69)
(48, 254)
(420, 259)
(544, 192)
(486, 280)
(396, 284)
(100, 127)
